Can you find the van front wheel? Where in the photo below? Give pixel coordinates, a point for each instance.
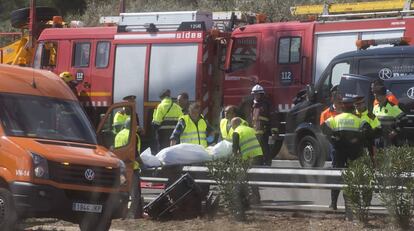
(8, 214)
(309, 152)
(95, 222)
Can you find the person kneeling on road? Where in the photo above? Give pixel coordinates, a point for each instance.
(245, 143)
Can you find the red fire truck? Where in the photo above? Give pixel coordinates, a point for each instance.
(147, 52)
(286, 56)
(144, 54)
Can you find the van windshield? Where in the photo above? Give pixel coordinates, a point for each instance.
(45, 118)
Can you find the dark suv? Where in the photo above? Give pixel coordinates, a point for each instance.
(395, 65)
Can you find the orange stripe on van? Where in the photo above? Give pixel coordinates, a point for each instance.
(99, 93)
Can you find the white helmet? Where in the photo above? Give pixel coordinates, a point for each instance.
(257, 89)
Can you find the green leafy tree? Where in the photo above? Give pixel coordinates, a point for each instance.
(359, 180)
(396, 184)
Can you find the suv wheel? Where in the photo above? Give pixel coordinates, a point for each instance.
(95, 222)
(309, 152)
(8, 214)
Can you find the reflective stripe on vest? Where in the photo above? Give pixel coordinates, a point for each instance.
(194, 134)
(249, 145)
(228, 135)
(345, 122)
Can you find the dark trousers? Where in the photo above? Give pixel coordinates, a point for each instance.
(135, 211)
(161, 139)
(341, 158)
(264, 144)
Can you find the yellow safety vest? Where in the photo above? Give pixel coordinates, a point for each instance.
(249, 145)
(228, 134)
(387, 114)
(119, 119)
(194, 134)
(345, 122)
(167, 114)
(375, 123)
(122, 139)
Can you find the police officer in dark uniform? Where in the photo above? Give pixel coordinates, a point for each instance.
(389, 114)
(346, 133)
(363, 112)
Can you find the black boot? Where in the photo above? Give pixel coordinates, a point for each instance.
(334, 199)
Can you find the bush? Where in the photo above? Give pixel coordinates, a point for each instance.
(359, 180)
(232, 180)
(395, 165)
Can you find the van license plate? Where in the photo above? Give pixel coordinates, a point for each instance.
(82, 207)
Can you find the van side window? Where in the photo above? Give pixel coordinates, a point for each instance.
(81, 54)
(333, 78)
(46, 55)
(337, 71)
(116, 130)
(244, 53)
(289, 50)
(102, 54)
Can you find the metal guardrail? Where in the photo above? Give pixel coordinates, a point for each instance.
(262, 176)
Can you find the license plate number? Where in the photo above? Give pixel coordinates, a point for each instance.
(82, 207)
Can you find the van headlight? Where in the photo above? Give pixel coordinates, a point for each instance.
(40, 166)
(122, 173)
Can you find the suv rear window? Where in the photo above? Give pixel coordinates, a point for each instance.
(386, 68)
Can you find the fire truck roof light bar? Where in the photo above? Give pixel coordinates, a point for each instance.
(373, 14)
(365, 44)
(357, 7)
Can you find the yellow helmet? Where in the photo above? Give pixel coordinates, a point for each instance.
(66, 76)
(21, 61)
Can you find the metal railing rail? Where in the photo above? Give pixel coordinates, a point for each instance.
(263, 176)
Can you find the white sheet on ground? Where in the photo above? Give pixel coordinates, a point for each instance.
(149, 160)
(183, 154)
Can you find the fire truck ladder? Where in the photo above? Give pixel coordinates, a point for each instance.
(376, 8)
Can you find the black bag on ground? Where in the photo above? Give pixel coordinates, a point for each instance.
(181, 200)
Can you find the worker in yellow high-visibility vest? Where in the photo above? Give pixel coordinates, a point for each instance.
(347, 133)
(121, 140)
(226, 130)
(192, 128)
(164, 119)
(388, 114)
(119, 119)
(246, 144)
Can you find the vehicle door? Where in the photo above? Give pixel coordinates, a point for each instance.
(81, 66)
(289, 64)
(102, 72)
(108, 133)
(242, 67)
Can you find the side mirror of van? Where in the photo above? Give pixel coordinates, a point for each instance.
(310, 92)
